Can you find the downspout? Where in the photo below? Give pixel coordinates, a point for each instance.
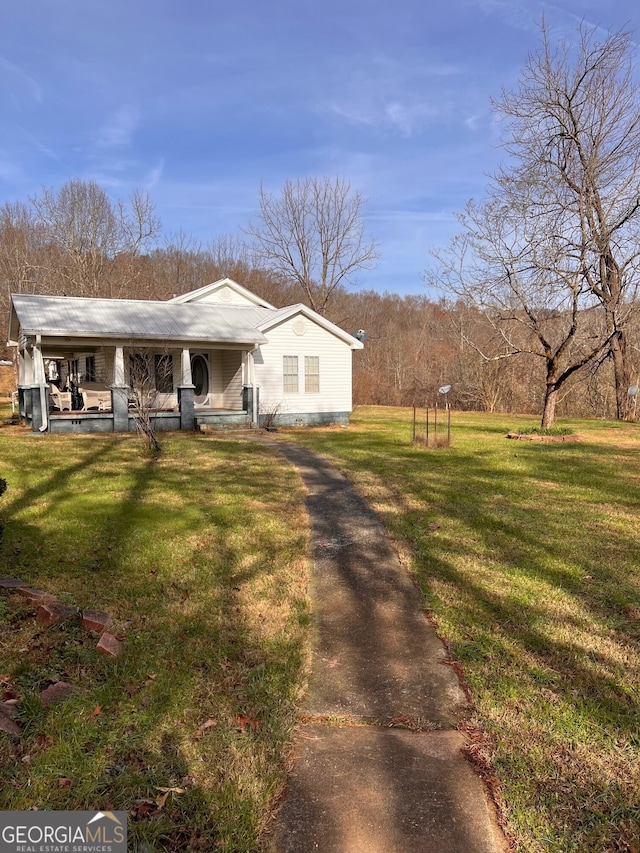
(252, 378)
(41, 381)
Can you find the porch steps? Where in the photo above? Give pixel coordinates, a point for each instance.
(227, 428)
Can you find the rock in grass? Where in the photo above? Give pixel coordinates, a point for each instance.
(7, 724)
(58, 692)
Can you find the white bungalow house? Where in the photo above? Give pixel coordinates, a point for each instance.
(218, 355)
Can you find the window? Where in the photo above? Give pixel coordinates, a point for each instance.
(90, 368)
(139, 370)
(164, 373)
(312, 374)
(290, 374)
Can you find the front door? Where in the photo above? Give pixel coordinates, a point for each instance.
(200, 378)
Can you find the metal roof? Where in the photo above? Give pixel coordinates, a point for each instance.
(72, 316)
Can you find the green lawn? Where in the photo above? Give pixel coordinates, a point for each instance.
(528, 556)
(200, 558)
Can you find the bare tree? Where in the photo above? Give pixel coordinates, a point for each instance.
(574, 134)
(150, 374)
(509, 263)
(313, 234)
(89, 237)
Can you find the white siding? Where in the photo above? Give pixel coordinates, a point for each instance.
(335, 368)
(232, 379)
(216, 385)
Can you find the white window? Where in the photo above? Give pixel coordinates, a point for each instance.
(290, 374)
(312, 374)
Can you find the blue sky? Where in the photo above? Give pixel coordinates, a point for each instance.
(200, 102)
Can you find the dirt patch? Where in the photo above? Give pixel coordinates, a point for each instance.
(533, 437)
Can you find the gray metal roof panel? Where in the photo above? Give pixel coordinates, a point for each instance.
(128, 318)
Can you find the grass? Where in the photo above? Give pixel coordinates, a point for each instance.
(200, 558)
(528, 557)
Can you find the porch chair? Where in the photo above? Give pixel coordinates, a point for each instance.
(61, 400)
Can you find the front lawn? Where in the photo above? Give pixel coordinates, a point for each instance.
(200, 558)
(528, 556)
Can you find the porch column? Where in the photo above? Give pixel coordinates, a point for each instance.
(251, 371)
(186, 393)
(25, 381)
(119, 393)
(118, 368)
(39, 394)
(25, 368)
(186, 368)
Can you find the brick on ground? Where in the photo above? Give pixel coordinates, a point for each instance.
(36, 596)
(12, 583)
(95, 620)
(110, 645)
(52, 614)
(58, 692)
(7, 724)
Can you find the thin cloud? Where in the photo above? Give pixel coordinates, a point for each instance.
(155, 175)
(19, 74)
(119, 128)
(44, 149)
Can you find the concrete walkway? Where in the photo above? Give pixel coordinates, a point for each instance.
(359, 783)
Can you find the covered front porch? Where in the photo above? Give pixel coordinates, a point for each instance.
(108, 388)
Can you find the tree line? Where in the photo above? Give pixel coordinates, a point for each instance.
(538, 304)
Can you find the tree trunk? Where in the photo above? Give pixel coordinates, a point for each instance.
(549, 409)
(622, 374)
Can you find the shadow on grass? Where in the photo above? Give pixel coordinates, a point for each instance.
(527, 557)
(186, 553)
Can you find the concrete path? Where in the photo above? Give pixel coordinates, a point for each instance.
(359, 783)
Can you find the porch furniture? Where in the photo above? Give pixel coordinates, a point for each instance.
(60, 399)
(95, 396)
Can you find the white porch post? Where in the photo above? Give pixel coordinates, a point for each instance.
(186, 368)
(26, 367)
(118, 367)
(119, 395)
(40, 379)
(251, 380)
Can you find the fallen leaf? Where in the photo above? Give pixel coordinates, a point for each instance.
(96, 711)
(64, 783)
(247, 721)
(206, 725)
(143, 809)
(161, 799)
